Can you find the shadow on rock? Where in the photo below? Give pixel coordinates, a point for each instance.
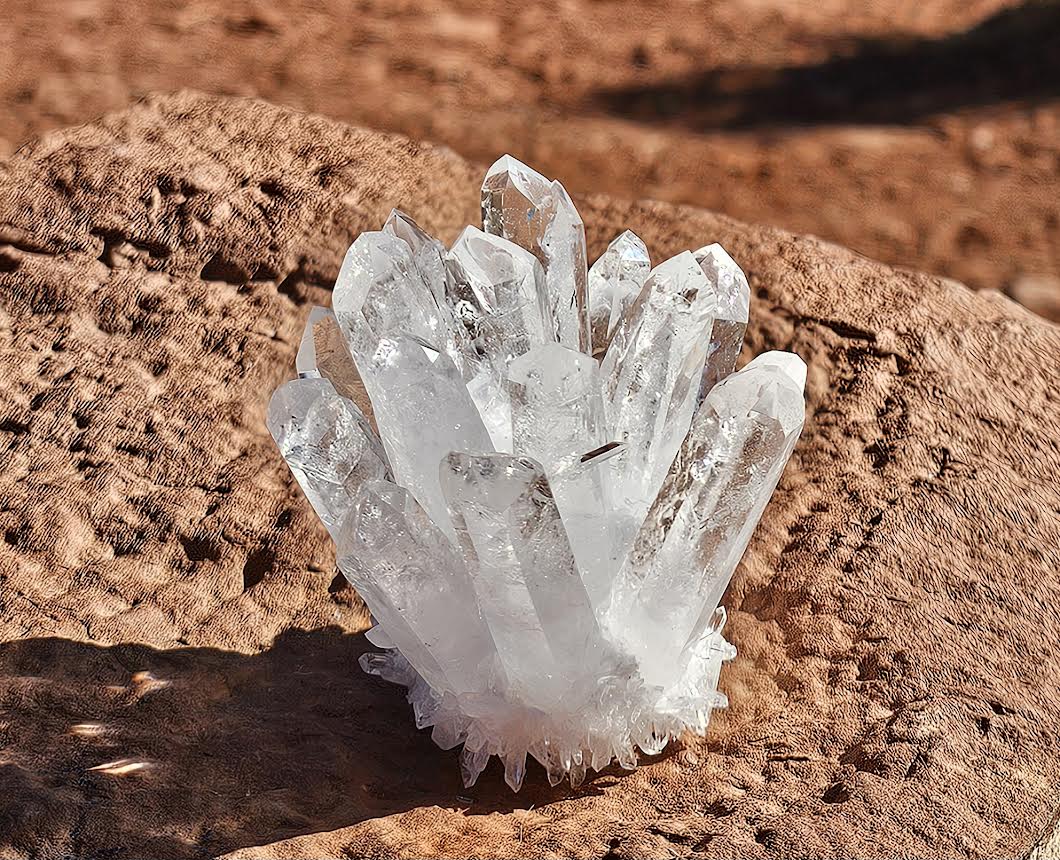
(128, 751)
(1013, 55)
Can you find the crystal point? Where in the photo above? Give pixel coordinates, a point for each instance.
(651, 374)
(327, 442)
(520, 204)
(380, 292)
(615, 280)
(428, 254)
(706, 511)
(730, 317)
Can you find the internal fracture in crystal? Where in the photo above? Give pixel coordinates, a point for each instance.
(539, 476)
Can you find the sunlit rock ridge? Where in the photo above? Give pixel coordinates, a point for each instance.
(539, 476)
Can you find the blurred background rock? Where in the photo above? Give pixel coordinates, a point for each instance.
(925, 133)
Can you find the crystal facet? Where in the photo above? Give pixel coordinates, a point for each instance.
(520, 204)
(416, 586)
(615, 280)
(327, 442)
(424, 411)
(523, 569)
(730, 317)
(651, 374)
(543, 539)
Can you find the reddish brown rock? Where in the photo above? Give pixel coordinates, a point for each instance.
(178, 668)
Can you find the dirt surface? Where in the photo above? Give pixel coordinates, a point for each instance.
(925, 134)
(178, 665)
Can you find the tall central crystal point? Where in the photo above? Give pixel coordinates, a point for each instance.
(539, 477)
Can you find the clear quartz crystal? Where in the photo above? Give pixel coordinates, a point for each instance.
(557, 416)
(705, 513)
(615, 280)
(380, 292)
(498, 292)
(543, 539)
(523, 569)
(730, 317)
(327, 442)
(416, 585)
(520, 204)
(651, 375)
(323, 353)
(424, 411)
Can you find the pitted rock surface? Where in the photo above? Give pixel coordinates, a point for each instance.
(178, 669)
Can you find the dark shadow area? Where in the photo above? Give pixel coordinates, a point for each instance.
(1013, 55)
(128, 751)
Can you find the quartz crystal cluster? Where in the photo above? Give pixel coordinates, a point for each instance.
(539, 476)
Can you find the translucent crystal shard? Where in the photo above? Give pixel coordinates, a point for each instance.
(327, 443)
(700, 524)
(323, 353)
(497, 291)
(380, 292)
(428, 253)
(557, 417)
(730, 317)
(424, 411)
(523, 571)
(416, 587)
(520, 204)
(615, 280)
(651, 374)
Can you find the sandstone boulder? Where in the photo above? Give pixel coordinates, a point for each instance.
(178, 661)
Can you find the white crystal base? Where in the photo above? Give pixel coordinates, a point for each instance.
(614, 716)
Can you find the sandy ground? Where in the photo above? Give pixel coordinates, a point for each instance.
(924, 134)
(178, 661)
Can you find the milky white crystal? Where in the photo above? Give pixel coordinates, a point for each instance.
(539, 477)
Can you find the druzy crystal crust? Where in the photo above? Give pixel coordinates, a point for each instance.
(539, 476)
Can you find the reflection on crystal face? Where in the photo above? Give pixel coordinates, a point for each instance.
(327, 442)
(730, 317)
(615, 280)
(543, 538)
(520, 204)
(323, 353)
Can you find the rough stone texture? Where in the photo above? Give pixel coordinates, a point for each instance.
(166, 590)
(924, 134)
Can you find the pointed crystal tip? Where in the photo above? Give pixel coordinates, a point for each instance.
(513, 167)
(788, 362)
